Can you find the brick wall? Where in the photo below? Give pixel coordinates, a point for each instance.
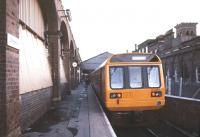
(12, 17)
(12, 72)
(12, 115)
(33, 105)
(2, 91)
(9, 71)
(12, 92)
(9, 92)
(182, 112)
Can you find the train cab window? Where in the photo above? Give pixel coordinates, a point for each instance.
(153, 76)
(116, 77)
(135, 77)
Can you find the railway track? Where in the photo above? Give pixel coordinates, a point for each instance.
(151, 132)
(162, 129)
(149, 126)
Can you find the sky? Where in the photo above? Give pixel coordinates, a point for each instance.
(117, 25)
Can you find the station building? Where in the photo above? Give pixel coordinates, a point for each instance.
(37, 50)
(180, 56)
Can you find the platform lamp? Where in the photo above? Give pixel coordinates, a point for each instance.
(67, 14)
(48, 34)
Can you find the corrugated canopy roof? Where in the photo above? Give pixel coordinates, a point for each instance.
(94, 62)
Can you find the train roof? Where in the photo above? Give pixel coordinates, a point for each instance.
(131, 57)
(134, 57)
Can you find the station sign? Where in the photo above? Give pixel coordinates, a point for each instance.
(13, 41)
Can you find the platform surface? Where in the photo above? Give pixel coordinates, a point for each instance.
(91, 120)
(77, 115)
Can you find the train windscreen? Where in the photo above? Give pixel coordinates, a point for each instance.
(117, 77)
(134, 77)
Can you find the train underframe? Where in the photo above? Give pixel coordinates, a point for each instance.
(133, 118)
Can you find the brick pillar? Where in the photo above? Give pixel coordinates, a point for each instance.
(76, 77)
(2, 90)
(12, 104)
(56, 66)
(72, 72)
(9, 71)
(54, 45)
(68, 73)
(2, 69)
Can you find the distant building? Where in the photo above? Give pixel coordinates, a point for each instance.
(186, 31)
(181, 59)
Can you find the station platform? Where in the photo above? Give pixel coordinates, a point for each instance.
(77, 115)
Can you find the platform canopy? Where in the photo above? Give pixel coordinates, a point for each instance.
(91, 64)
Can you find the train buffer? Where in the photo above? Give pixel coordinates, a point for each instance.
(78, 115)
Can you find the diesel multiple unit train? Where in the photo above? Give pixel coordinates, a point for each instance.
(130, 82)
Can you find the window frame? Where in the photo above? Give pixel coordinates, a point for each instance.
(128, 77)
(126, 80)
(123, 76)
(158, 76)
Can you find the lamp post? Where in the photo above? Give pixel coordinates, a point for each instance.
(74, 65)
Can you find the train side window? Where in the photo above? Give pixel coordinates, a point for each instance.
(116, 77)
(135, 77)
(198, 74)
(176, 75)
(153, 76)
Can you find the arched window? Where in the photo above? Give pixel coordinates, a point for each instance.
(187, 33)
(176, 75)
(185, 71)
(147, 49)
(191, 33)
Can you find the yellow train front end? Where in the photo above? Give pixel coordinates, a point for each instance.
(129, 101)
(134, 86)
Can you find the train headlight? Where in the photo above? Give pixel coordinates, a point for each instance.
(156, 94)
(119, 95)
(115, 95)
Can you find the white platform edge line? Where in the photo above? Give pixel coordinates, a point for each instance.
(183, 98)
(106, 119)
